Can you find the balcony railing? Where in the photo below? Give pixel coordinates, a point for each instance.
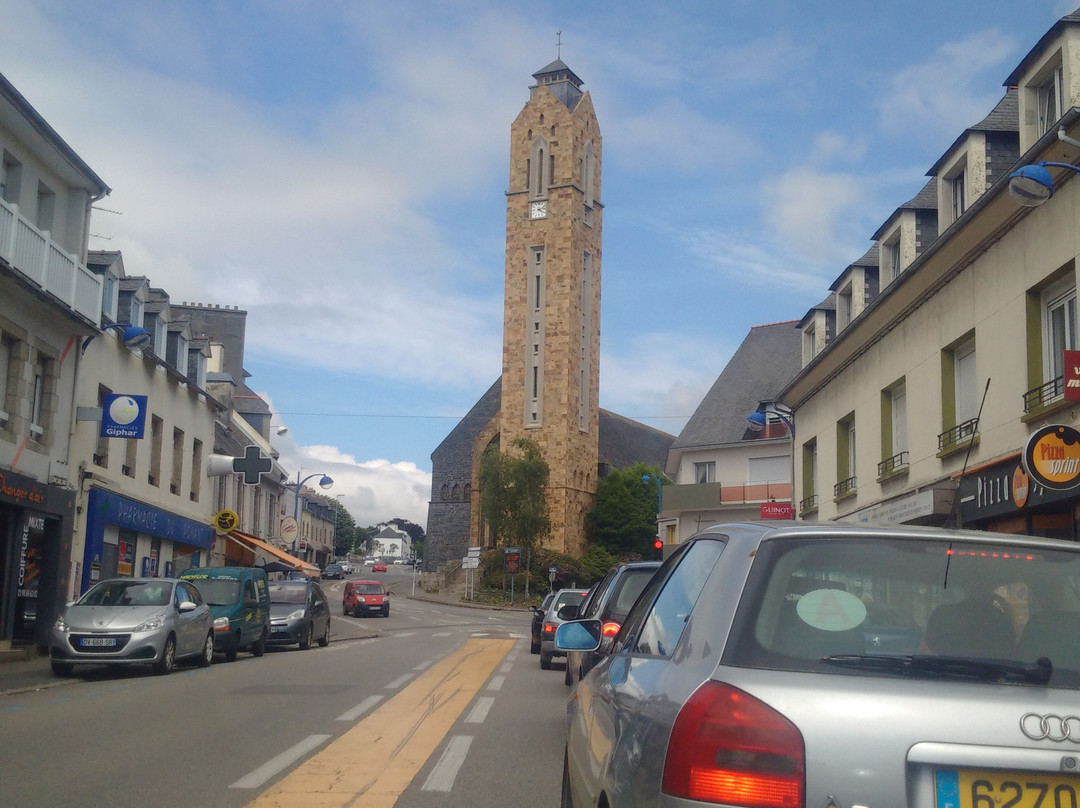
(1044, 394)
(39, 259)
(892, 464)
(808, 504)
(958, 434)
(844, 487)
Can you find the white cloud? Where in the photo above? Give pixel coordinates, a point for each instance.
(937, 99)
(804, 209)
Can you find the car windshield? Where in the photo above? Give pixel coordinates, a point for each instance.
(288, 593)
(850, 603)
(369, 589)
(128, 593)
(218, 591)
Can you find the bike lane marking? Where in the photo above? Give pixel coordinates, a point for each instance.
(370, 765)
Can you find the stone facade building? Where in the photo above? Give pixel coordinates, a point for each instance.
(550, 384)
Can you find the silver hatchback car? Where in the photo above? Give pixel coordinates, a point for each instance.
(130, 621)
(837, 665)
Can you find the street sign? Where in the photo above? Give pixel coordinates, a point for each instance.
(226, 521)
(289, 530)
(473, 551)
(252, 465)
(470, 563)
(511, 560)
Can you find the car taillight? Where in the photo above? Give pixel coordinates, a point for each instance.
(728, 747)
(549, 628)
(610, 628)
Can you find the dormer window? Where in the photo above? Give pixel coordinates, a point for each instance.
(957, 187)
(809, 341)
(1049, 98)
(844, 308)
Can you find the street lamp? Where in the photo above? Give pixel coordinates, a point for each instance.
(135, 336)
(757, 420)
(1031, 185)
(325, 483)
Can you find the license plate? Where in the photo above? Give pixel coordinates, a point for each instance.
(87, 642)
(966, 788)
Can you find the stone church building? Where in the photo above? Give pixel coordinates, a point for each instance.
(550, 384)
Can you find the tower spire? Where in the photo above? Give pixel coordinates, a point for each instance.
(558, 44)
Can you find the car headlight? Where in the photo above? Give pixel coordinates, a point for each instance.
(152, 624)
(361, 600)
(61, 624)
(297, 615)
(221, 624)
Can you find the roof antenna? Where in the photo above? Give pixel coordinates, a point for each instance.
(558, 44)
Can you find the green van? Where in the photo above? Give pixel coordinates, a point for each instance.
(240, 604)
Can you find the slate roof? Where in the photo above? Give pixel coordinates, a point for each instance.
(1005, 117)
(1055, 31)
(624, 441)
(768, 358)
(926, 199)
(869, 259)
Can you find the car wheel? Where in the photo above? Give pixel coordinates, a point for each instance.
(386, 611)
(165, 665)
(207, 655)
(567, 800)
(356, 611)
(258, 648)
(305, 637)
(534, 647)
(231, 653)
(545, 661)
(62, 668)
(324, 640)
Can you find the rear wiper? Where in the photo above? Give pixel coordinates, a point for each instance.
(964, 668)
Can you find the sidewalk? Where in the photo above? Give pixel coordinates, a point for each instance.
(22, 670)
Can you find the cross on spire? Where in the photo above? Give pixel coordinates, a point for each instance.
(558, 44)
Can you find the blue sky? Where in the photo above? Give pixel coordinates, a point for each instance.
(338, 170)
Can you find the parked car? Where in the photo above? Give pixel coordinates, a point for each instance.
(746, 673)
(379, 566)
(299, 612)
(365, 597)
(609, 602)
(133, 621)
(332, 571)
(239, 602)
(369, 562)
(538, 621)
(563, 598)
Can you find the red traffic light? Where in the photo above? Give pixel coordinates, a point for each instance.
(658, 544)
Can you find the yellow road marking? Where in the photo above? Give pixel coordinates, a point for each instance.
(371, 764)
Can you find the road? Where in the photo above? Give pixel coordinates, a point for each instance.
(434, 705)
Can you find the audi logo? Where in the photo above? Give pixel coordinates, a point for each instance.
(1051, 727)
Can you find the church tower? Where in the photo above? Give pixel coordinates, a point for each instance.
(551, 317)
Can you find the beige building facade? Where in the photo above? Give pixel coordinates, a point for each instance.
(915, 402)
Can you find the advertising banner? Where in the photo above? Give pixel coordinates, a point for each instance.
(123, 416)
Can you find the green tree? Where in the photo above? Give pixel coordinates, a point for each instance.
(344, 528)
(623, 518)
(513, 497)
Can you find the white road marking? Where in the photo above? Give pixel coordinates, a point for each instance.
(443, 634)
(405, 634)
(424, 665)
(282, 761)
(442, 776)
(480, 711)
(480, 634)
(496, 683)
(360, 709)
(394, 685)
(506, 667)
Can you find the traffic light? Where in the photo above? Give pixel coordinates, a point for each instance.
(658, 550)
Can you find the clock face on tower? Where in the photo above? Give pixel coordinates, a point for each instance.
(538, 210)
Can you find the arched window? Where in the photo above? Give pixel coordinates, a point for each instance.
(456, 495)
(540, 162)
(445, 492)
(466, 493)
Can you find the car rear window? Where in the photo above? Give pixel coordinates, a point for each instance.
(627, 589)
(842, 603)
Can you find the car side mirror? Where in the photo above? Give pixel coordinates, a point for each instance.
(187, 606)
(579, 635)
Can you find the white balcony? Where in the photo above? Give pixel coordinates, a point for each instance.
(42, 261)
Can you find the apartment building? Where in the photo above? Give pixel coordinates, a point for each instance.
(50, 302)
(939, 356)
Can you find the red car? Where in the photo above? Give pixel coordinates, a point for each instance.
(379, 566)
(365, 597)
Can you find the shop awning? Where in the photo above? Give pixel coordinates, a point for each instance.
(259, 546)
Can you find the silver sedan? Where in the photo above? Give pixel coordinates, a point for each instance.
(128, 621)
(837, 665)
